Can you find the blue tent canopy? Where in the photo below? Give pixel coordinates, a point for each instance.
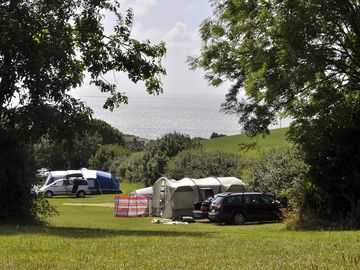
(101, 182)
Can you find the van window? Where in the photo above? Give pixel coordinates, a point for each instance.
(82, 182)
(59, 184)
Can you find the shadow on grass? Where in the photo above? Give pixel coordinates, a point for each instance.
(246, 223)
(77, 232)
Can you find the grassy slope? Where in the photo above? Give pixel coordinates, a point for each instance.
(84, 237)
(231, 144)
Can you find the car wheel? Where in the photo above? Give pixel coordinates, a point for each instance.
(81, 194)
(49, 194)
(238, 219)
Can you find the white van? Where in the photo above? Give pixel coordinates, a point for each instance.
(68, 186)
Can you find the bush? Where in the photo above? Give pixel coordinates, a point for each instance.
(200, 164)
(130, 168)
(105, 156)
(150, 166)
(216, 135)
(277, 171)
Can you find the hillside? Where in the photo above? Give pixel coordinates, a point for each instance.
(233, 144)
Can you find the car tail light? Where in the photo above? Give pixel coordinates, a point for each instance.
(220, 206)
(204, 208)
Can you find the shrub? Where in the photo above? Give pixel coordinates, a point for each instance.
(157, 153)
(277, 171)
(106, 154)
(130, 168)
(199, 164)
(216, 135)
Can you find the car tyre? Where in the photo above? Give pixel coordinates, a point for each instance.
(81, 194)
(49, 194)
(238, 219)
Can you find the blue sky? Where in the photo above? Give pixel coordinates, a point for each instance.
(176, 22)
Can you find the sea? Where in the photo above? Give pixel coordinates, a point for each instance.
(151, 117)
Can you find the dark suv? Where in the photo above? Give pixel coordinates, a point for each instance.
(238, 208)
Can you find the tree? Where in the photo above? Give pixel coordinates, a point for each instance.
(46, 47)
(157, 154)
(109, 134)
(65, 154)
(199, 164)
(300, 58)
(75, 153)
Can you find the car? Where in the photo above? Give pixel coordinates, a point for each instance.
(238, 208)
(68, 186)
(201, 208)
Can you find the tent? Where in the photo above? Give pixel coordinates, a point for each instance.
(173, 198)
(56, 175)
(99, 182)
(147, 192)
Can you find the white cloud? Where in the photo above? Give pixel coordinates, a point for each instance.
(179, 35)
(140, 7)
(141, 32)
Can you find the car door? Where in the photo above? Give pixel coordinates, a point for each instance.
(69, 186)
(270, 207)
(255, 207)
(59, 187)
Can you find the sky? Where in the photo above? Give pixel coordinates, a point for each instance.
(176, 22)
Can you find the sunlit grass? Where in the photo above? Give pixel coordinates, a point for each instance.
(90, 237)
(234, 144)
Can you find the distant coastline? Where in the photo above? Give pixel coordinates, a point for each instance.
(151, 117)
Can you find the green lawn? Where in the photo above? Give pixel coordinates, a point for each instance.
(90, 237)
(233, 144)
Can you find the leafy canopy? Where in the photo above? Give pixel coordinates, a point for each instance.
(46, 48)
(300, 59)
(297, 57)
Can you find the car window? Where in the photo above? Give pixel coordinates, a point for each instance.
(59, 183)
(218, 200)
(82, 182)
(256, 199)
(268, 199)
(247, 199)
(234, 199)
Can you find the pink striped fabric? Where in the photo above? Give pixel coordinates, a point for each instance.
(126, 206)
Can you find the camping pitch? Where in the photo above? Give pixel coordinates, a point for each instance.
(173, 198)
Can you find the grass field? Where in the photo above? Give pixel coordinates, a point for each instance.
(90, 237)
(233, 144)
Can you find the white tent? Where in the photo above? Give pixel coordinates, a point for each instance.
(147, 192)
(173, 198)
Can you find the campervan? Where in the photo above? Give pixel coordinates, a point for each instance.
(68, 186)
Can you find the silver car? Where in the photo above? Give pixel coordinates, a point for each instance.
(69, 186)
